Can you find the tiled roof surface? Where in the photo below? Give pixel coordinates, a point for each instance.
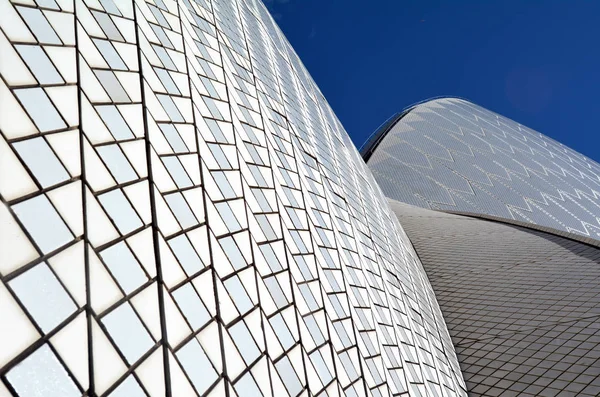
(450, 154)
(522, 306)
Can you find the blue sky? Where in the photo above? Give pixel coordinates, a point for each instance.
(536, 62)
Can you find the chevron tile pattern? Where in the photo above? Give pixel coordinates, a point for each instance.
(450, 154)
(182, 214)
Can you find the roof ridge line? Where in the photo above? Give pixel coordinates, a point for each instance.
(545, 229)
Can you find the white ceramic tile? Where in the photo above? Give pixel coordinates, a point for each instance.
(43, 296)
(100, 229)
(108, 366)
(104, 291)
(177, 328)
(66, 146)
(197, 365)
(41, 161)
(128, 388)
(67, 201)
(13, 25)
(146, 305)
(14, 122)
(63, 24)
(65, 100)
(128, 332)
(39, 25)
(151, 373)
(72, 346)
(14, 180)
(69, 266)
(179, 383)
(119, 209)
(43, 223)
(51, 378)
(16, 331)
(124, 267)
(12, 68)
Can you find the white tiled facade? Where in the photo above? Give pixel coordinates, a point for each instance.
(182, 214)
(450, 154)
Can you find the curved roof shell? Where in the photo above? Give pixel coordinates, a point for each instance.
(450, 154)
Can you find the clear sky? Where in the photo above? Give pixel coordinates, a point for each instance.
(534, 61)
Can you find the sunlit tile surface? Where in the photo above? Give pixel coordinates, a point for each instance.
(450, 154)
(183, 214)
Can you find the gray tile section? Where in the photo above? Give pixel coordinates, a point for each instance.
(450, 154)
(522, 306)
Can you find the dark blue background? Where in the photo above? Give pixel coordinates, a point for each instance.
(536, 62)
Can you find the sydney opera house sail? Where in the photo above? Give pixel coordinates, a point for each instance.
(449, 154)
(182, 214)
